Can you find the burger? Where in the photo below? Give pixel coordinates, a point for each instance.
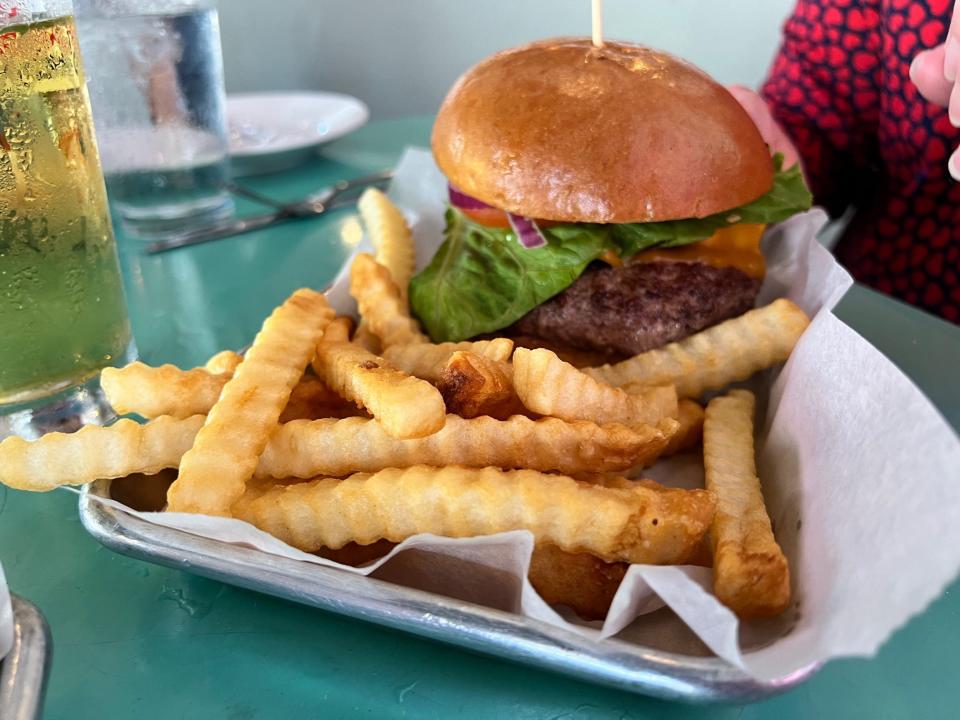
(605, 199)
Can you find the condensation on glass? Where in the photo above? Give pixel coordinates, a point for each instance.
(155, 76)
(62, 311)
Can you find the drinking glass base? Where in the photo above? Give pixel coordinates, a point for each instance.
(158, 222)
(67, 411)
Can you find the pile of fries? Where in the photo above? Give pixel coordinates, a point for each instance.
(325, 434)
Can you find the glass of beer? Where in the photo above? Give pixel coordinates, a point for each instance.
(62, 311)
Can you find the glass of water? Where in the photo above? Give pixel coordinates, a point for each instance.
(155, 78)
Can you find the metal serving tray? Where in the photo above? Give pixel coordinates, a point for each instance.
(23, 673)
(614, 662)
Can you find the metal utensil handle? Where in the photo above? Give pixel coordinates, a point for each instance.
(245, 192)
(372, 179)
(319, 202)
(216, 232)
(315, 203)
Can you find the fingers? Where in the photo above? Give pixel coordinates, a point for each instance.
(953, 107)
(951, 65)
(769, 128)
(934, 72)
(927, 73)
(951, 57)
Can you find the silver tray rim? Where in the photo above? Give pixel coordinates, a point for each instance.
(611, 662)
(24, 671)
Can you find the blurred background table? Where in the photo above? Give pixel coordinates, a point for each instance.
(137, 640)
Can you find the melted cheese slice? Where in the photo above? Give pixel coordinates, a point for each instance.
(735, 246)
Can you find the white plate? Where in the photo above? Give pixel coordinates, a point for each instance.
(272, 131)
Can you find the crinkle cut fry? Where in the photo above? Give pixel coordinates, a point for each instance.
(581, 581)
(473, 385)
(428, 360)
(689, 433)
(164, 390)
(335, 448)
(214, 472)
(338, 331)
(94, 453)
(225, 361)
(393, 244)
(391, 237)
(689, 415)
(381, 304)
(549, 386)
(630, 525)
(405, 406)
(304, 448)
(152, 392)
(725, 353)
(751, 575)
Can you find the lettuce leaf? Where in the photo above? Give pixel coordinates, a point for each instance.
(482, 279)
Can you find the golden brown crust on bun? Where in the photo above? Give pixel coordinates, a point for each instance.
(561, 130)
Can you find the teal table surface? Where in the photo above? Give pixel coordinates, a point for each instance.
(137, 640)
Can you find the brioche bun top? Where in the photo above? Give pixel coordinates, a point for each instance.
(562, 130)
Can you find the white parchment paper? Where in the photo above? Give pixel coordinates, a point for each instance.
(6, 617)
(860, 474)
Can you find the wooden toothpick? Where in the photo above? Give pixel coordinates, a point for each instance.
(597, 7)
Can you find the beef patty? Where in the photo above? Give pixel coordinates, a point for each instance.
(640, 306)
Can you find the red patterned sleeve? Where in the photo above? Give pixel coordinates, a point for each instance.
(824, 89)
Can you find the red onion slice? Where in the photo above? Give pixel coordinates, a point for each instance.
(463, 201)
(528, 233)
(526, 229)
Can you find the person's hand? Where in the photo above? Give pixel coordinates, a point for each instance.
(936, 72)
(769, 128)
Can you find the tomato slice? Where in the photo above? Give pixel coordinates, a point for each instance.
(489, 216)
